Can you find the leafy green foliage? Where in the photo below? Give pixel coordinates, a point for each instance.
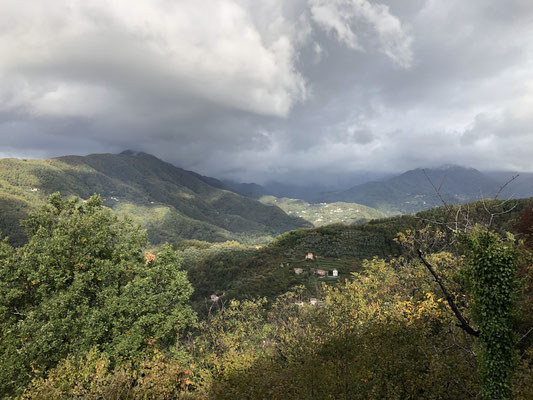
(384, 334)
(82, 280)
(247, 271)
(492, 266)
(86, 313)
(12, 210)
(93, 377)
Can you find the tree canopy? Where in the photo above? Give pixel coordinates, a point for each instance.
(83, 281)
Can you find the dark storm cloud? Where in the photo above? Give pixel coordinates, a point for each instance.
(301, 90)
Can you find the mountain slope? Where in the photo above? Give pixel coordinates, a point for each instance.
(307, 193)
(172, 203)
(415, 190)
(252, 190)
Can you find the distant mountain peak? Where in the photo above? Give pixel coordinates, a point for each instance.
(130, 152)
(445, 167)
(448, 167)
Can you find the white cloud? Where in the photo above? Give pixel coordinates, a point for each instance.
(237, 54)
(208, 50)
(346, 18)
(329, 16)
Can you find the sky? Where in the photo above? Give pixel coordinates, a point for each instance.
(300, 91)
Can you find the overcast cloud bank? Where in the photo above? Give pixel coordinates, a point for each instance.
(254, 90)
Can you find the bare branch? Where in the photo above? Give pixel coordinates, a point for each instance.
(437, 190)
(505, 211)
(500, 190)
(525, 335)
(452, 225)
(488, 212)
(495, 214)
(463, 323)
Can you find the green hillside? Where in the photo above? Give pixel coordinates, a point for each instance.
(244, 272)
(321, 214)
(87, 313)
(171, 203)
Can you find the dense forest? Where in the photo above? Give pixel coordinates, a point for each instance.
(89, 309)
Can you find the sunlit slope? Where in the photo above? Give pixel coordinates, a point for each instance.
(321, 214)
(172, 203)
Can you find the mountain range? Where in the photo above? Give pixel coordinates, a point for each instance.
(422, 189)
(174, 204)
(415, 190)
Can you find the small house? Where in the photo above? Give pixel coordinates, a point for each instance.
(321, 273)
(298, 271)
(316, 302)
(310, 256)
(214, 297)
(34, 189)
(335, 273)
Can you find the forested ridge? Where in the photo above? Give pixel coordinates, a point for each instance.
(89, 309)
(171, 203)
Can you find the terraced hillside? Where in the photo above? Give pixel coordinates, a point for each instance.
(321, 214)
(239, 271)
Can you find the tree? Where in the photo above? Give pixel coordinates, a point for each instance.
(82, 280)
(488, 295)
(524, 226)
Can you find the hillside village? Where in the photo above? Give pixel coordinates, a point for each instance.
(322, 269)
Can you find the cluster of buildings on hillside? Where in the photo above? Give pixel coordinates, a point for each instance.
(321, 273)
